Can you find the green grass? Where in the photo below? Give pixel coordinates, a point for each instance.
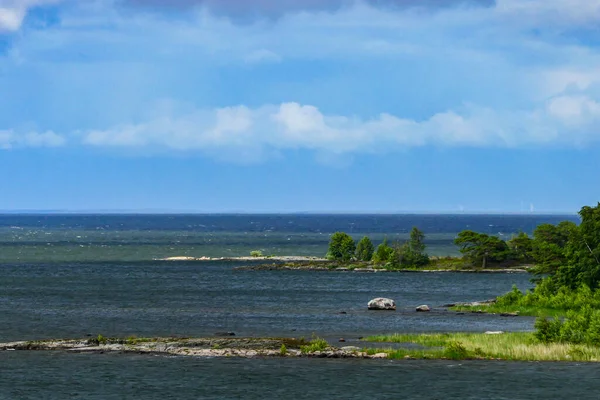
(531, 311)
(516, 346)
(317, 344)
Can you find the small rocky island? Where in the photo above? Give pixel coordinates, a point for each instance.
(199, 347)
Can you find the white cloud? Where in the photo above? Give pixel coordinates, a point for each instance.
(13, 12)
(295, 126)
(575, 110)
(10, 139)
(531, 86)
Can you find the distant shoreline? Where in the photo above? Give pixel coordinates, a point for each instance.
(313, 263)
(247, 258)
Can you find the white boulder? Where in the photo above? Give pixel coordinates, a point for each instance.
(381, 303)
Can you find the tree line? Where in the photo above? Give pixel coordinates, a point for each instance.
(409, 254)
(546, 249)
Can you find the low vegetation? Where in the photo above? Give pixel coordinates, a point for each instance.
(256, 253)
(569, 257)
(515, 346)
(316, 344)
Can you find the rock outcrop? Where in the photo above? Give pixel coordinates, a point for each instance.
(381, 303)
(423, 308)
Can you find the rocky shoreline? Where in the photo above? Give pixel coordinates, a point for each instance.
(197, 347)
(312, 263)
(247, 258)
(312, 267)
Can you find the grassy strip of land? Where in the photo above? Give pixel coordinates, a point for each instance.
(515, 346)
(545, 300)
(512, 309)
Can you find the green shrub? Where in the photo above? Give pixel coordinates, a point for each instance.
(510, 298)
(579, 327)
(283, 350)
(547, 330)
(341, 247)
(101, 339)
(456, 351)
(384, 253)
(365, 249)
(317, 344)
(256, 253)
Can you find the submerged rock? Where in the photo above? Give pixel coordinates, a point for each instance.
(224, 334)
(381, 303)
(423, 308)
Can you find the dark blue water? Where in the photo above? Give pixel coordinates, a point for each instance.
(109, 376)
(374, 223)
(72, 276)
(57, 301)
(128, 238)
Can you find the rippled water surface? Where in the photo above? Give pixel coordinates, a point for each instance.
(48, 301)
(111, 376)
(91, 275)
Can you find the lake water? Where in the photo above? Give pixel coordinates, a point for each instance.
(82, 288)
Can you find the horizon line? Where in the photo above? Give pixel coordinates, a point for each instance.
(242, 212)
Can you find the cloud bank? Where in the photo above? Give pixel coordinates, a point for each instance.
(336, 77)
(565, 121)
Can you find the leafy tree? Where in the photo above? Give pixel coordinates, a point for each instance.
(365, 249)
(549, 246)
(416, 242)
(521, 247)
(414, 253)
(582, 252)
(480, 248)
(384, 252)
(341, 247)
(410, 254)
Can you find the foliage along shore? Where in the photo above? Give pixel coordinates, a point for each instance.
(435, 264)
(515, 346)
(447, 264)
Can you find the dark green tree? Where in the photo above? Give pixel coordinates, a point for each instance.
(582, 266)
(521, 248)
(414, 252)
(549, 246)
(410, 254)
(383, 253)
(341, 247)
(479, 248)
(365, 249)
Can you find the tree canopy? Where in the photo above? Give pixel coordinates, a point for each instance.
(549, 246)
(341, 247)
(365, 249)
(581, 264)
(480, 248)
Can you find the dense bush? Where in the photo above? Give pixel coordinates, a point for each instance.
(256, 253)
(341, 247)
(580, 327)
(547, 295)
(384, 252)
(365, 249)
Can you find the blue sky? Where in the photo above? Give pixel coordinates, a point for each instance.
(284, 106)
